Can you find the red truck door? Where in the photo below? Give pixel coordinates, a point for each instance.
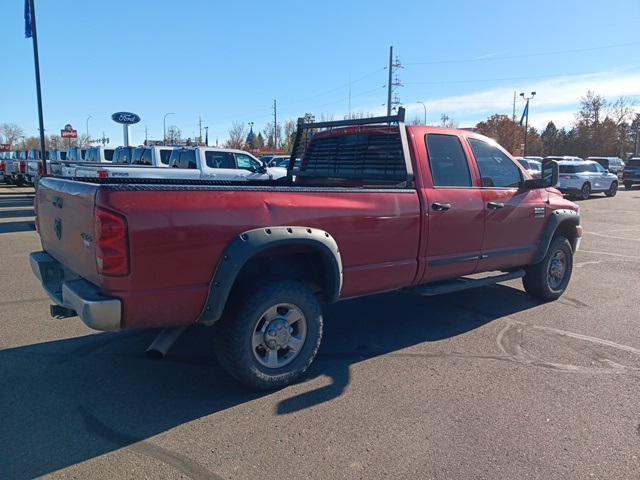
(514, 218)
(454, 208)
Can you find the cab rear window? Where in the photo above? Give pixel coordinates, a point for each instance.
(375, 156)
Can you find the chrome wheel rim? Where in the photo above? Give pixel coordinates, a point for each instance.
(279, 335)
(586, 191)
(557, 269)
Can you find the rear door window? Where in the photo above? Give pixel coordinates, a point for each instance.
(165, 154)
(449, 165)
(184, 159)
(496, 169)
(137, 155)
(219, 159)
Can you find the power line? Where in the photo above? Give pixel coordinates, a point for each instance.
(528, 77)
(525, 55)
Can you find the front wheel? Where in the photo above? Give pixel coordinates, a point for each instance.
(270, 335)
(548, 279)
(613, 189)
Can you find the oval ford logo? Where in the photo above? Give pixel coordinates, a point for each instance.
(125, 118)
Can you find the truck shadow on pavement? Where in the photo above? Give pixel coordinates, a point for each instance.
(68, 401)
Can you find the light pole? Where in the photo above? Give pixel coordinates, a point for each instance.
(425, 111)
(164, 127)
(526, 118)
(88, 118)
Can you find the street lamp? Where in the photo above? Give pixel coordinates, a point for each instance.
(88, 118)
(526, 117)
(425, 111)
(164, 127)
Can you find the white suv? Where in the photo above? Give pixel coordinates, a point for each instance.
(582, 178)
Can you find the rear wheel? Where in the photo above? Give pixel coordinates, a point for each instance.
(628, 185)
(270, 335)
(548, 279)
(585, 191)
(613, 189)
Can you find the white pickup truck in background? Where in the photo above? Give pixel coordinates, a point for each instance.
(192, 163)
(152, 156)
(73, 155)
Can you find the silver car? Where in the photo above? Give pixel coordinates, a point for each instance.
(582, 178)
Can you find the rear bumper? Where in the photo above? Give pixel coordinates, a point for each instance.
(70, 291)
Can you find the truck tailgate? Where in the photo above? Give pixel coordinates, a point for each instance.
(66, 223)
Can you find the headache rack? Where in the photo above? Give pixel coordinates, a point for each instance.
(374, 151)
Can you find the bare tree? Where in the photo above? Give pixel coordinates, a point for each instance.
(56, 142)
(622, 113)
(174, 134)
(237, 135)
(592, 106)
(272, 138)
(11, 132)
(290, 128)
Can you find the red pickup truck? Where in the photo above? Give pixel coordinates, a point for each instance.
(373, 206)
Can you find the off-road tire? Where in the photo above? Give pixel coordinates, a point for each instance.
(234, 331)
(536, 280)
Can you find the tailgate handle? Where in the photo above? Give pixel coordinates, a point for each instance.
(495, 205)
(57, 202)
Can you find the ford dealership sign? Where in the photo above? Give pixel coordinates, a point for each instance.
(126, 118)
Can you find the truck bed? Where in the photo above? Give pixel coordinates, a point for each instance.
(177, 233)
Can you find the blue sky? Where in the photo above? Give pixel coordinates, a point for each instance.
(227, 61)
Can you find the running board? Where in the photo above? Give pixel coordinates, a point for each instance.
(464, 283)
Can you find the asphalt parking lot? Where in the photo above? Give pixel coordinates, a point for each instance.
(482, 384)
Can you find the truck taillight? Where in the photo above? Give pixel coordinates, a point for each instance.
(3, 167)
(40, 168)
(23, 166)
(103, 174)
(112, 245)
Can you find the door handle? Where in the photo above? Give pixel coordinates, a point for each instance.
(441, 207)
(495, 205)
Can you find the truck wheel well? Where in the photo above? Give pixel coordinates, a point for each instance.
(567, 230)
(304, 264)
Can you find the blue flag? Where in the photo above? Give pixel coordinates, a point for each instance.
(525, 113)
(28, 32)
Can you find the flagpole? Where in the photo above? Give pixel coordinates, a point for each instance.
(36, 61)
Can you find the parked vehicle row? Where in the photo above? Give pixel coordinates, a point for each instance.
(376, 208)
(186, 163)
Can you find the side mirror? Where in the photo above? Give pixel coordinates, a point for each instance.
(548, 176)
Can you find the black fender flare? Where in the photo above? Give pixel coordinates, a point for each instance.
(558, 217)
(252, 242)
